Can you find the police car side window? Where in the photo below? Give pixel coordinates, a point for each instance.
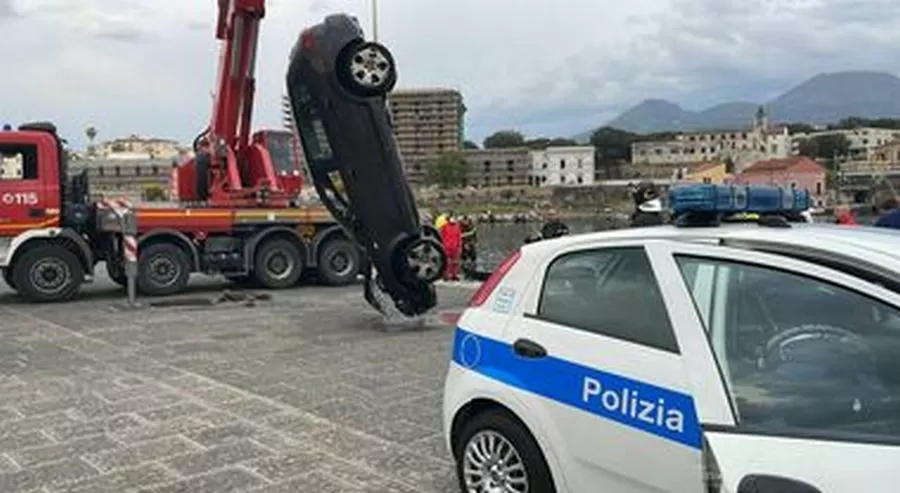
(802, 357)
(612, 292)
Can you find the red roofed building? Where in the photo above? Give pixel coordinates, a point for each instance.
(798, 171)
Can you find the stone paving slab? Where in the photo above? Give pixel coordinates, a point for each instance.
(311, 391)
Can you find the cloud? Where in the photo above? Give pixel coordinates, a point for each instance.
(704, 52)
(555, 68)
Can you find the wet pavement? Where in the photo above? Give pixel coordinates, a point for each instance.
(308, 391)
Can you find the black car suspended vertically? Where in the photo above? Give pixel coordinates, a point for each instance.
(337, 83)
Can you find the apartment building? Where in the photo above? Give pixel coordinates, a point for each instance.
(566, 166)
(135, 147)
(427, 122)
(864, 142)
(498, 167)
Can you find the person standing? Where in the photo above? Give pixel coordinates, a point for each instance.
(451, 237)
(469, 245)
(554, 227)
(648, 210)
(843, 215)
(890, 214)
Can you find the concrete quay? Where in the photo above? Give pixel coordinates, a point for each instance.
(309, 391)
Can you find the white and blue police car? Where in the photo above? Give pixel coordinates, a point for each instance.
(705, 356)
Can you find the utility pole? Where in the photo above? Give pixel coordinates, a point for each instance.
(375, 20)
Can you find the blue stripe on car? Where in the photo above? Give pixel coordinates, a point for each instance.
(666, 413)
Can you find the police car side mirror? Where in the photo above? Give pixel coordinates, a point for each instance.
(764, 483)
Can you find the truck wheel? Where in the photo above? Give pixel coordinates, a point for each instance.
(163, 269)
(116, 273)
(338, 262)
(278, 264)
(7, 277)
(47, 273)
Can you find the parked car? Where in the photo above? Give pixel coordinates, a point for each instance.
(755, 356)
(338, 83)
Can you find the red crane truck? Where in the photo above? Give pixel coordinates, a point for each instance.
(239, 213)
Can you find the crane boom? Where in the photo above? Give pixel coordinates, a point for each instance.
(238, 28)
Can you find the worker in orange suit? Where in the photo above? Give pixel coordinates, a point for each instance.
(451, 237)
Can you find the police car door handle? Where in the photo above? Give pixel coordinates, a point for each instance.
(529, 349)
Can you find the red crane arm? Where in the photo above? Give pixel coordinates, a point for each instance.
(238, 28)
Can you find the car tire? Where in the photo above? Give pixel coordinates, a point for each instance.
(163, 269)
(278, 264)
(366, 69)
(527, 462)
(338, 262)
(29, 269)
(425, 258)
(8, 278)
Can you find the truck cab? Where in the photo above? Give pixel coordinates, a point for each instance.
(31, 165)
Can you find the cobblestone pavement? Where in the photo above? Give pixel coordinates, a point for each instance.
(310, 391)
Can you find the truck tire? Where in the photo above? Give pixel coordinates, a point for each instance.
(116, 273)
(278, 264)
(163, 269)
(338, 262)
(47, 273)
(7, 277)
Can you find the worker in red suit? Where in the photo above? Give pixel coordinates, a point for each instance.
(451, 237)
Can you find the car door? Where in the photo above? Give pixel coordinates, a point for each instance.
(606, 376)
(811, 360)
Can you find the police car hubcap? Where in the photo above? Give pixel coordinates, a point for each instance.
(492, 465)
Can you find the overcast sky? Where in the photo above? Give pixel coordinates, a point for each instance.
(545, 67)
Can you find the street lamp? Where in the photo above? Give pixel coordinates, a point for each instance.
(375, 20)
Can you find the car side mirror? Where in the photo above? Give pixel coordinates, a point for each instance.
(764, 483)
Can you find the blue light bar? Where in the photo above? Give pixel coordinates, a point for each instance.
(735, 199)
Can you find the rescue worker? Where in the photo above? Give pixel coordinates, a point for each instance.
(451, 237)
(469, 245)
(554, 227)
(648, 210)
(440, 221)
(843, 215)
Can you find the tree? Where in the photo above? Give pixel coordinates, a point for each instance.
(827, 146)
(154, 193)
(800, 128)
(504, 139)
(538, 143)
(613, 148)
(468, 144)
(562, 142)
(449, 171)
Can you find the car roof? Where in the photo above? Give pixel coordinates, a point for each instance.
(861, 242)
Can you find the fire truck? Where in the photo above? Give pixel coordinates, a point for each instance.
(239, 210)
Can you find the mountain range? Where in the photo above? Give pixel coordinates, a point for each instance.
(824, 98)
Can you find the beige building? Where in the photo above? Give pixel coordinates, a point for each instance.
(139, 148)
(498, 167)
(864, 142)
(427, 122)
(126, 178)
(760, 141)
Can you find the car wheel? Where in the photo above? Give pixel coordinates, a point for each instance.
(163, 269)
(8, 278)
(367, 69)
(497, 453)
(425, 259)
(338, 262)
(278, 264)
(47, 273)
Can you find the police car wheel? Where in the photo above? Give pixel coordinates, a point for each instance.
(8, 278)
(495, 452)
